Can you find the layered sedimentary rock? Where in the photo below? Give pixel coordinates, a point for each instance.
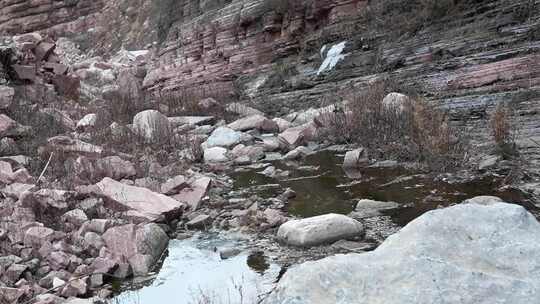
(67, 16)
(289, 55)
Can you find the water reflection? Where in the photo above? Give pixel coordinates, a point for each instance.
(335, 191)
(257, 262)
(194, 273)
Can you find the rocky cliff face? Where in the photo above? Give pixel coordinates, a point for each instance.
(269, 52)
(468, 59)
(61, 17)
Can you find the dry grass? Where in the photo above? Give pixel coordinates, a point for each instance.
(503, 132)
(413, 131)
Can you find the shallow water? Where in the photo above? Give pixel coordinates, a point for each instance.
(194, 273)
(333, 190)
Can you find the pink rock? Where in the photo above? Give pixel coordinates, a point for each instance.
(43, 50)
(194, 194)
(69, 145)
(25, 72)
(292, 137)
(174, 185)
(150, 205)
(256, 121)
(59, 260)
(75, 288)
(37, 236)
(16, 189)
(6, 96)
(21, 176)
(141, 246)
(115, 168)
(11, 295)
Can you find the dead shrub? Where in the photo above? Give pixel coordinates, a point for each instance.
(194, 149)
(411, 131)
(123, 107)
(503, 131)
(186, 102)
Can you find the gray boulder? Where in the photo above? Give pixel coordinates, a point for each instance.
(215, 155)
(369, 208)
(152, 126)
(319, 230)
(467, 253)
(356, 158)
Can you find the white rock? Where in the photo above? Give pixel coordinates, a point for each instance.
(215, 155)
(298, 152)
(369, 208)
(356, 158)
(58, 282)
(152, 126)
(87, 122)
(467, 253)
(223, 137)
(485, 200)
(282, 124)
(396, 101)
(334, 55)
(319, 230)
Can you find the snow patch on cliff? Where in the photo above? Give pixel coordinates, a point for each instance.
(334, 55)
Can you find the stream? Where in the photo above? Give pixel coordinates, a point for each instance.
(193, 271)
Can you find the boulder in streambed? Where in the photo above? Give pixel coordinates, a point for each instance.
(140, 245)
(319, 230)
(468, 253)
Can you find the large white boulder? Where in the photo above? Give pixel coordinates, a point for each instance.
(152, 126)
(467, 253)
(319, 230)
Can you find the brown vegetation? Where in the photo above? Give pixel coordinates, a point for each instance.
(412, 131)
(503, 131)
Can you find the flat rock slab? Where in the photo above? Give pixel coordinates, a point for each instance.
(467, 253)
(369, 208)
(256, 121)
(148, 205)
(319, 230)
(190, 120)
(193, 195)
(223, 137)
